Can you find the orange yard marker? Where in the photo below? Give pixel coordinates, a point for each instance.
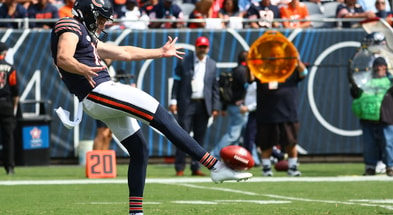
(101, 164)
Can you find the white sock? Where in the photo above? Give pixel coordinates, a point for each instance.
(266, 163)
(292, 162)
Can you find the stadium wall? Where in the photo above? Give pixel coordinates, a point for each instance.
(327, 123)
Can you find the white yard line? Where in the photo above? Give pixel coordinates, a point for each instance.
(199, 180)
(288, 199)
(274, 199)
(185, 181)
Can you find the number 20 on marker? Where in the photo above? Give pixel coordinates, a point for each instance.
(101, 164)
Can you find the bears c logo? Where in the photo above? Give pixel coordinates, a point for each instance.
(98, 3)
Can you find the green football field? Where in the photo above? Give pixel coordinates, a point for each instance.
(323, 189)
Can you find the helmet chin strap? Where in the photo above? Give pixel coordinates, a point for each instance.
(98, 36)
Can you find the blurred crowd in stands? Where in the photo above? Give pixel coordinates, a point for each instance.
(211, 14)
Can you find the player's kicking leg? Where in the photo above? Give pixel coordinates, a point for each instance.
(167, 124)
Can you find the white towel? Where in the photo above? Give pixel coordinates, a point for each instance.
(64, 116)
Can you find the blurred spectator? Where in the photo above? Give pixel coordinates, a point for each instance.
(295, 11)
(195, 98)
(244, 5)
(43, 9)
(9, 98)
(215, 8)
(166, 9)
(277, 116)
(147, 6)
(117, 7)
(382, 12)
(201, 11)
(132, 16)
(10, 9)
(236, 119)
(229, 9)
(370, 5)
(250, 131)
(350, 9)
(266, 11)
(66, 10)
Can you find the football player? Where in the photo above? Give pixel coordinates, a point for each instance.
(78, 52)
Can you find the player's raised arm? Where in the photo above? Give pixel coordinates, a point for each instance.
(129, 53)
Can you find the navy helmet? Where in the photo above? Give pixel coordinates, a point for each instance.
(89, 10)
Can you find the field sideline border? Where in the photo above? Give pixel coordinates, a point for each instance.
(198, 180)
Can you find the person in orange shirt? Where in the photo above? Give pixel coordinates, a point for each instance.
(295, 10)
(66, 10)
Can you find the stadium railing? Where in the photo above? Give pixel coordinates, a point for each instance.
(23, 23)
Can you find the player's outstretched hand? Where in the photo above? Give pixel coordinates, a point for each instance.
(91, 73)
(170, 50)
